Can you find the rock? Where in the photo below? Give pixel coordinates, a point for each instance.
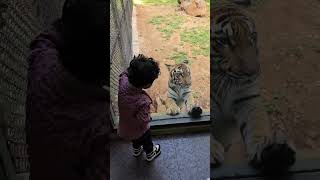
(197, 8)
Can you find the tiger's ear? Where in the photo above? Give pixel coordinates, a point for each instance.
(186, 61)
(169, 67)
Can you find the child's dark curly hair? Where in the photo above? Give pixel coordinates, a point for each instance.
(143, 71)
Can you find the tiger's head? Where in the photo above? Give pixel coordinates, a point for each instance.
(234, 42)
(180, 74)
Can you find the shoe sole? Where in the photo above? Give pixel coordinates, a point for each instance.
(149, 160)
(137, 155)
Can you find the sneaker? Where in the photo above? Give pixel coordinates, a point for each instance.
(137, 152)
(155, 153)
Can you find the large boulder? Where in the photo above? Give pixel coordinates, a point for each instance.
(196, 8)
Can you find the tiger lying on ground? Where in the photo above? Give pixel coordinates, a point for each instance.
(179, 92)
(235, 98)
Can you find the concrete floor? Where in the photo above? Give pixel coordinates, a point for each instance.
(184, 157)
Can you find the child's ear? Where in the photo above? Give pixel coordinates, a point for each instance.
(169, 67)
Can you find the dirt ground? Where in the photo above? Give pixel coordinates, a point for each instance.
(289, 39)
(151, 43)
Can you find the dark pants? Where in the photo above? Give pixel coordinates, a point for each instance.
(145, 141)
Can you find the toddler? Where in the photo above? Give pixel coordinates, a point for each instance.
(134, 105)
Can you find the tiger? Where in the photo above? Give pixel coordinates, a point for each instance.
(235, 98)
(179, 93)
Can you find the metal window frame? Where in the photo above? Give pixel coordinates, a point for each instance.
(165, 124)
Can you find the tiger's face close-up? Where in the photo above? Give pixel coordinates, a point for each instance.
(234, 40)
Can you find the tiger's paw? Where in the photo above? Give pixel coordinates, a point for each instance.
(216, 154)
(195, 112)
(173, 110)
(275, 158)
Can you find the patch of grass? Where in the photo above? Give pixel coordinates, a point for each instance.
(173, 23)
(199, 38)
(201, 51)
(167, 25)
(179, 56)
(208, 4)
(156, 20)
(155, 2)
(270, 108)
(196, 36)
(296, 52)
(196, 95)
(257, 2)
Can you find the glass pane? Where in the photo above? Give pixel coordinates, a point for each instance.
(170, 37)
(267, 113)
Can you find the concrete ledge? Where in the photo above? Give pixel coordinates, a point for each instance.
(183, 118)
(180, 124)
(24, 176)
(307, 162)
(161, 120)
(295, 176)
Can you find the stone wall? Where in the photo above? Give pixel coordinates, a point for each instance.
(20, 22)
(120, 47)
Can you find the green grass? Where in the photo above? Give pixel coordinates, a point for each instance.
(201, 51)
(157, 20)
(270, 108)
(167, 25)
(196, 94)
(208, 4)
(257, 3)
(156, 2)
(179, 56)
(196, 36)
(199, 38)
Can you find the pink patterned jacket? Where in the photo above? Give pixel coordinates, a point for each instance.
(134, 109)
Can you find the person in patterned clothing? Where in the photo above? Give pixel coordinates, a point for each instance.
(67, 107)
